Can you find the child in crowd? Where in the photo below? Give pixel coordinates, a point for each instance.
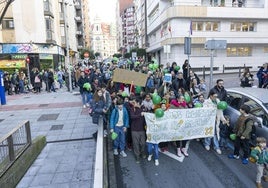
(260, 155)
(224, 133)
(153, 147)
(119, 122)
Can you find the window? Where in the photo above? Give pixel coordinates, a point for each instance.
(239, 51)
(234, 100)
(205, 26)
(8, 24)
(243, 26)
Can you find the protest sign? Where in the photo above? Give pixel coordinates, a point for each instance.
(168, 78)
(129, 77)
(180, 124)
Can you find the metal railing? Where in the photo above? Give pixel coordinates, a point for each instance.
(13, 144)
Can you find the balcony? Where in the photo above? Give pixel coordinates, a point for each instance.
(62, 20)
(48, 9)
(78, 32)
(77, 5)
(78, 19)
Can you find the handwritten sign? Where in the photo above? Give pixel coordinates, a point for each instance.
(168, 78)
(180, 124)
(129, 77)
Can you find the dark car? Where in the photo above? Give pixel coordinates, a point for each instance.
(257, 99)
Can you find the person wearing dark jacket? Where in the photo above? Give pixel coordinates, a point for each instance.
(220, 90)
(84, 91)
(138, 130)
(178, 82)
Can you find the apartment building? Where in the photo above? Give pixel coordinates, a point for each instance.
(242, 24)
(40, 30)
(126, 26)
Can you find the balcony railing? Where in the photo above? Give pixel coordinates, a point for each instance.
(13, 145)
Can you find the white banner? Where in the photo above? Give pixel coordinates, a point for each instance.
(180, 124)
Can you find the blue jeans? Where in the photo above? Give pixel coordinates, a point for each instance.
(120, 141)
(207, 142)
(84, 96)
(89, 97)
(153, 149)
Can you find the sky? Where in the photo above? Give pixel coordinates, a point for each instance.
(105, 9)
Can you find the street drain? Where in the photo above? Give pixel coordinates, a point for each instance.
(56, 127)
(47, 117)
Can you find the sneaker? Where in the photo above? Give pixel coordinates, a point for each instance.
(231, 156)
(156, 162)
(115, 152)
(245, 161)
(143, 156)
(87, 105)
(184, 152)
(218, 151)
(207, 148)
(164, 149)
(137, 160)
(105, 133)
(179, 152)
(84, 106)
(258, 185)
(123, 154)
(149, 157)
(265, 178)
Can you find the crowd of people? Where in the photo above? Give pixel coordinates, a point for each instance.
(123, 112)
(122, 106)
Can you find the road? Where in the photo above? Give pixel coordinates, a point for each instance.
(202, 169)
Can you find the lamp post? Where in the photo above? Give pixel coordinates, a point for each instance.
(67, 60)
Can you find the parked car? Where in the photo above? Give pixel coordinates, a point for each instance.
(257, 99)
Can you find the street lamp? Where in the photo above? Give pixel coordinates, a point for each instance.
(67, 60)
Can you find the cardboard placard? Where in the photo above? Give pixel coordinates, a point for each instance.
(129, 77)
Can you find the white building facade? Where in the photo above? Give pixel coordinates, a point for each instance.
(243, 26)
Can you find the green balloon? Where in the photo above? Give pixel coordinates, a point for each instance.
(87, 86)
(124, 94)
(151, 66)
(177, 68)
(159, 112)
(114, 135)
(222, 105)
(138, 89)
(156, 99)
(198, 105)
(187, 98)
(155, 66)
(232, 136)
(166, 71)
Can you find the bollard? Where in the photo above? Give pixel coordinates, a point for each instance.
(2, 89)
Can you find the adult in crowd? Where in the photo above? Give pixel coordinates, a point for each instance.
(220, 90)
(262, 75)
(185, 68)
(246, 78)
(84, 91)
(211, 102)
(138, 130)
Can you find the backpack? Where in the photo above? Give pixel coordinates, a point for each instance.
(253, 135)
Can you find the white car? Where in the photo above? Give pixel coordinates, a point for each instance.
(257, 99)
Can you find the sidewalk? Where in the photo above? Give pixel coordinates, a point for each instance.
(68, 158)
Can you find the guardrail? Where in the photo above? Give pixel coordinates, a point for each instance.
(13, 144)
(100, 170)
